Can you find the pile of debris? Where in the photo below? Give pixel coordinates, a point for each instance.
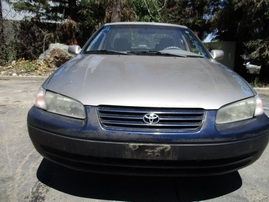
(48, 62)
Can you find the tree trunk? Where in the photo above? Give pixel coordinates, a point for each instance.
(1, 22)
(72, 12)
(1, 10)
(116, 12)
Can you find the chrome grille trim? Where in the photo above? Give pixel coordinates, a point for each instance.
(131, 119)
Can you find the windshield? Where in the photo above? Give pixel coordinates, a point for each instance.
(146, 39)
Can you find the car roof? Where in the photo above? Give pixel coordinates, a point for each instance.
(145, 23)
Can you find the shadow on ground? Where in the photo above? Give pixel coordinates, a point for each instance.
(127, 188)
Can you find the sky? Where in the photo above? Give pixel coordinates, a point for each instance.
(208, 38)
(9, 13)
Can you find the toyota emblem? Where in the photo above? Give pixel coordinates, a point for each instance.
(151, 118)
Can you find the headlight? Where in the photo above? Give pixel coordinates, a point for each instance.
(244, 109)
(59, 104)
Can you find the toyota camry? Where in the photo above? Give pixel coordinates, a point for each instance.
(148, 99)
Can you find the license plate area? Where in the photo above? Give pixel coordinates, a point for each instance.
(150, 152)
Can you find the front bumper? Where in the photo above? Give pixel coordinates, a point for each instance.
(84, 145)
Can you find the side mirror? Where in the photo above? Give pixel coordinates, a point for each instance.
(74, 49)
(217, 54)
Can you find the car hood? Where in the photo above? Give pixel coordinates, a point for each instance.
(148, 81)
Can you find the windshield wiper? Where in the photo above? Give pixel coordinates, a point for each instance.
(142, 52)
(146, 52)
(184, 54)
(195, 56)
(106, 52)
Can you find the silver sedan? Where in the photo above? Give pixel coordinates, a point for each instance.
(148, 99)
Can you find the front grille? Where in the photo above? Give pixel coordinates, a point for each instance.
(164, 119)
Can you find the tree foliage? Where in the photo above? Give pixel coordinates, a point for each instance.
(86, 13)
(90, 13)
(247, 23)
(243, 21)
(192, 13)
